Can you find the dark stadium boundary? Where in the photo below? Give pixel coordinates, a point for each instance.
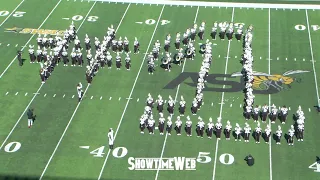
(216, 4)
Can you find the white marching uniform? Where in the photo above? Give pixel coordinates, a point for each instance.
(247, 131)
(278, 134)
(291, 136)
(238, 132)
(111, 138)
(268, 134)
(79, 90)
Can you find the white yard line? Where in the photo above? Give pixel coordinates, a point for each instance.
(133, 87)
(76, 109)
(14, 10)
(30, 39)
(221, 106)
(175, 99)
(312, 58)
(218, 4)
(64, 132)
(269, 71)
(35, 94)
(5, 140)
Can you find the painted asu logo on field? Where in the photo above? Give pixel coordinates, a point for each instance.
(264, 83)
(34, 31)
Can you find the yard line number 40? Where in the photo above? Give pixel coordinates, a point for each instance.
(301, 27)
(120, 152)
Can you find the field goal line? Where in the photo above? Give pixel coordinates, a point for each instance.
(217, 4)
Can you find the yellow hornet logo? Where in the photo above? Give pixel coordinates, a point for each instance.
(35, 31)
(263, 81)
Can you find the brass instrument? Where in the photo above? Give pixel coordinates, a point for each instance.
(165, 60)
(189, 52)
(178, 58)
(203, 48)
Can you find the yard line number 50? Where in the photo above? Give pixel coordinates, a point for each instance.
(226, 159)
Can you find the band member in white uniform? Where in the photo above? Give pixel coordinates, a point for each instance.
(111, 138)
(170, 105)
(278, 134)
(79, 91)
(257, 133)
(247, 132)
(188, 127)
(136, 46)
(238, 131)
(273, 115)
(214, 30)
(210, 126)
(151, 123)
(142, 124)
(169, 126)
(177, 43)
(161, 124)
(291, 135)
(228, 130)
(265, 111)
(300, 132)
(267, 134)
(284, 114)
(256, 111)
(159, 104)
(218, 128)
(200, 127)
(178, 126)
(182, 107)
(150, 101)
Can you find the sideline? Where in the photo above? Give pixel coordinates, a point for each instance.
(217, 4)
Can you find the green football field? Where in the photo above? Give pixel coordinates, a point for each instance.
(69, 139)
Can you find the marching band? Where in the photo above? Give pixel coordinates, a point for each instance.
(51, 50)
(211, 128)
(250, 109)
(58, 51)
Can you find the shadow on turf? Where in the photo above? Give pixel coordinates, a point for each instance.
(22, 62)
(12, 177)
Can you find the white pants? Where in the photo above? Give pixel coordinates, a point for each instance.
(30, 122)
(318, 168)
(79, 94)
